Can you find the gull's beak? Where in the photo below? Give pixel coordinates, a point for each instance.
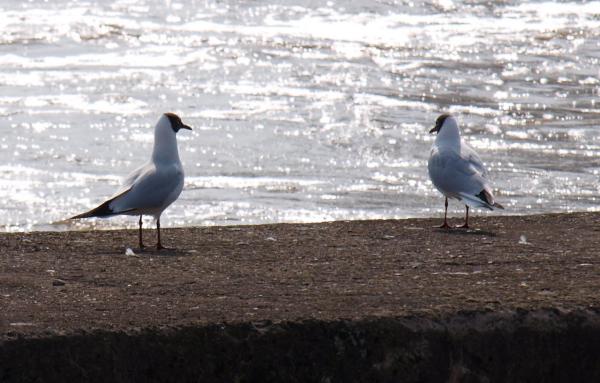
(435, 129)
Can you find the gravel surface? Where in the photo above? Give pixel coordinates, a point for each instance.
(65, 282)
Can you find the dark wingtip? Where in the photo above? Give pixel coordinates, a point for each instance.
(497, 205)
(103, 210)
(486, 197)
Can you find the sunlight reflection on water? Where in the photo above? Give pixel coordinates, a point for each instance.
(302, 112)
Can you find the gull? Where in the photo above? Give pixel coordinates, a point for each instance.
(457, 171)
(152, 187)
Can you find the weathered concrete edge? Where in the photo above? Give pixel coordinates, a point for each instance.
(547, 345)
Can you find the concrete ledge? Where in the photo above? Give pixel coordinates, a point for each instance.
(516, 299)
(516, 346)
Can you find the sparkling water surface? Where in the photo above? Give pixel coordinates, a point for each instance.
(302, 110)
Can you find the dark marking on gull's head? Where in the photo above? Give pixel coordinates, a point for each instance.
(439, 123)
(176, 123)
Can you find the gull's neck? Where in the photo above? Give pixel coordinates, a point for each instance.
(449, 134)
(165, 143)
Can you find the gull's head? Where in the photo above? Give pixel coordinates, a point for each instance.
(165, 137)
(175, 122)
(446, 127)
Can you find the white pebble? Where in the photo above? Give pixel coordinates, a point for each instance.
(129, 252)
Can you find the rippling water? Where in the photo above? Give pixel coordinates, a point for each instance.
(303, 110)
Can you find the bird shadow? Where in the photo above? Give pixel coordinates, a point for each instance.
(461, 231)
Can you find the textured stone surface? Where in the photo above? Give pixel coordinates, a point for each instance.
(388, 300)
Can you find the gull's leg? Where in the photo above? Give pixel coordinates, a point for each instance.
(445, 224)
(141, 244)
(159, 245)
(466, 225)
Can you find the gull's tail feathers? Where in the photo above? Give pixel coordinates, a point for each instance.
(483, 199)
(104, 210)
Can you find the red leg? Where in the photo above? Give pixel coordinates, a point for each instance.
(466, 225)
(140, 236)
(159, 245)
(445, 224)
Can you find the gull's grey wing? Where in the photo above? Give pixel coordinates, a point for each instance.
(111, 206)
(153, 189)
(469, 155)
(103, 210)
(132, 177)
(453, 173)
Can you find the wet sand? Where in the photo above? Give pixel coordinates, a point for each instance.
(67, 282)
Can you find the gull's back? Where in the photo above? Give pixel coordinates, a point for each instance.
(456, 171)
(153, 189)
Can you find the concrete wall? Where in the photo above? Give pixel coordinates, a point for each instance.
(540, 346)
